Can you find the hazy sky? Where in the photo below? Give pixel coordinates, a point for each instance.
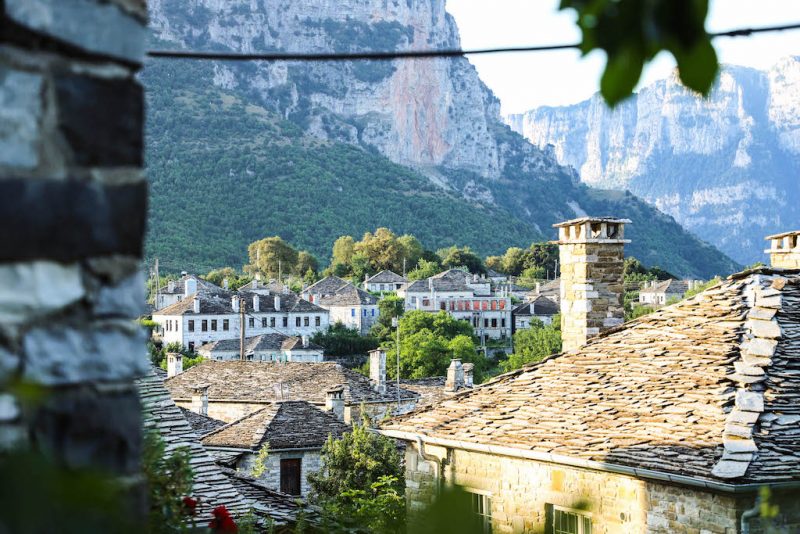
(526, 80)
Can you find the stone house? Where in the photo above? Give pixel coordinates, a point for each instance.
(542, 308)
(352, 307)
(668, 424)
(233, 388)
(659, 292)
(465, 297)
(294, 431)
(550, 289)
(327, 287)
(207, 316)
(265, 348)
(384, 281)
(176, 290)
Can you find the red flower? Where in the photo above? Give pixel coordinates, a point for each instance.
(189, 505)
(222, 522)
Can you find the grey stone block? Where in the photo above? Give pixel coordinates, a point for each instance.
(126, 299)
(101, 119)
(103, 352)
(20, 118)
(35, 288)
(96, 27)
(86, 428)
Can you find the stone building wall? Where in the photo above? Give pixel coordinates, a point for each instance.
(72, 208)
(311, 462)
(521, 490)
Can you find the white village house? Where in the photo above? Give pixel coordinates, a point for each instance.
(542, 309)
(273, 347)
(352, 307)
(384, 281)
(659, 292)
(203, 316)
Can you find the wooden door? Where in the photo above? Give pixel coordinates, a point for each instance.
(290, 476)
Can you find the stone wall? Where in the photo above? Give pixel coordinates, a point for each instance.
(521, 490)
(72, 208)
(311, 462)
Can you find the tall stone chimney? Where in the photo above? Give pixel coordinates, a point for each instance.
(196, 303)
(277, 303)
(334, 401)
(455, 376)
(174, 363)
(171, 286)
(189, 287)
(591, 251)
(200, 400)
(235, 303)
(256, 303)
(469, 373)
(225, 283)
(377, 369)
(784, 250)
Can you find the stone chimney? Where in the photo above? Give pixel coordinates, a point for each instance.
(304, 338)
(784, 251)
(256, 303)
(189, 287)
(200, 400)
(235, 303)
(277, 303)
(377, 369)
(224, 283)
(455, 376)
(254, 284)
(174, 363)
(591, 251)
(334, 401)
(469, 369)
(171, 286)
(196, 303)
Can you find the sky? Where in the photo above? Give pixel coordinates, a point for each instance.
(524, 81)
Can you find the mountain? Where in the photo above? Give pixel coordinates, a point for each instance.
(726, 168)
(427, 129)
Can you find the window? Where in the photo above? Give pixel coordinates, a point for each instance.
(205, 325)
(413, 300)
(272, 322)
(306, 321)
(263, 322)
(317, 320)
(249, 357)
(226, 324)
(442, 305)
(373, 312)
(285, 322)
(486, 323)
(426, 302)
(569, 521)
(365, 312)
(191, 325)
(503, 322)
(214, 325)
(482, 510)
(191, 346)
(494, 305)
(297, 321)
(494, 323)
(290, 476)
(352, 312)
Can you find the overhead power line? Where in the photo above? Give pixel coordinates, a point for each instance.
(412, 54)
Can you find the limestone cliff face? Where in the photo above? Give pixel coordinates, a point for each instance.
(425, 113)
(726, 167)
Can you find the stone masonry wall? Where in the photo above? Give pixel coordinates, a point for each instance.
(311, 462)
(520, 490)
(591, 290)
(72, 212)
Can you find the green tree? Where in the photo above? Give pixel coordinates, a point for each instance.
(513, 261)
(425, 269)
(495, 263)
(305, 262)
(454, 257)
(388, 307)
(361, 483)
(338, 340)
(412, 251)
(270, 255)
(534, 344)
(382, 249)
(343, 249)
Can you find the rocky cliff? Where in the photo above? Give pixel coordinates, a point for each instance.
(726, 167)
(433, 115)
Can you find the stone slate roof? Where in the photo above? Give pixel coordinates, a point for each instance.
(284, 425)
(430, 390)
(210, 487)
(449, 280)
(349, 295)
(220, 303)
(180, 287)
(236, 380)
(539, 306)
(259, 343)
(386, 277)
(677, 287)
(201, 424)
(327, 286)
(707, 388)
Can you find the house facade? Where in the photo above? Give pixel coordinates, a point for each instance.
(208, 316)
(384, 281)
(327, 287)
(293, 431)
(541, 308)
(660, 292)
(352, 307)
(176, 290)
(265, 348)
(669, 424)
(465, 297)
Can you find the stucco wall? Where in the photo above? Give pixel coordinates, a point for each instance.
(520, 491)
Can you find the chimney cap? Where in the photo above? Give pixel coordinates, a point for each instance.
(582, 220)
